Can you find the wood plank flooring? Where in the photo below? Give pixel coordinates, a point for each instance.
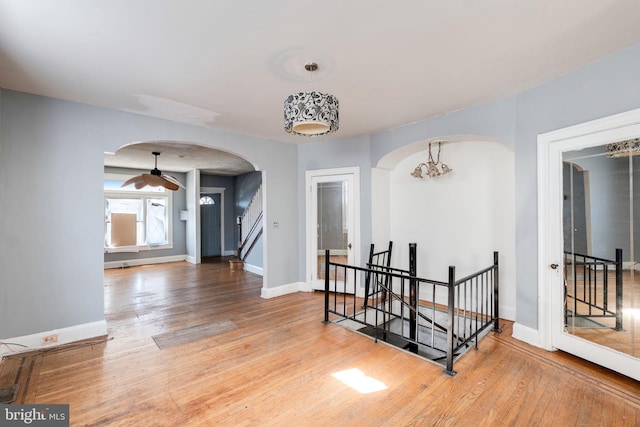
(275, 368)
(626, 341)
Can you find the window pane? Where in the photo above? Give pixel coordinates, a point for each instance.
(156, 222)
(122, 206)
(207, 200)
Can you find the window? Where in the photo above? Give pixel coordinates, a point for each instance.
(207, 200)
(136, 219)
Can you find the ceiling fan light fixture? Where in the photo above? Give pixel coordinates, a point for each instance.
(311, 113)
(155, 178)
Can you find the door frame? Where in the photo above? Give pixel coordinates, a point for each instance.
(551, 145)
(217, 230)
(310, 226)
(204, 191)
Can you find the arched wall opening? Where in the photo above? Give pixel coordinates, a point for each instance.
(457, 219)
(203, 170)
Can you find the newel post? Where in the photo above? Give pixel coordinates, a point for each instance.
(496, 293)
(451, 300)
(326, 286)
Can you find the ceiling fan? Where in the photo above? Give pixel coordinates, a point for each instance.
(155, 178)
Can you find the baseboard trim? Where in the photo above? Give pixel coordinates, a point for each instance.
(305, 287)
(527, 334)
(253, 269)
(191, 259)
(144, 261)
(65, 336)
(281, 290)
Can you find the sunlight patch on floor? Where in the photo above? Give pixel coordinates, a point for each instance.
(357, 380)
(633, 312)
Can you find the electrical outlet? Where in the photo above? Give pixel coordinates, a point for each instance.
(50, 339)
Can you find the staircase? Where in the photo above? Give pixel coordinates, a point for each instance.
(250, 226)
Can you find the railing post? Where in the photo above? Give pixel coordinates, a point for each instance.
(618, 289)
(239, 222)
(496, 293)
(450, 310)
(413, 292)
(326, 286)
(367, 278)
(387, 282)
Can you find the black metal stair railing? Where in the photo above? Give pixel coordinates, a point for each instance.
(587, 287)
(402, 309)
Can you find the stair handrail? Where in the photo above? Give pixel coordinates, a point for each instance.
(256, 224)
(250, 220)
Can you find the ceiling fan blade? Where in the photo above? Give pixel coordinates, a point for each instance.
(134, 180)
(159, 181)
(170, 185)
(153, 180)
(140, 184)
(173, 180)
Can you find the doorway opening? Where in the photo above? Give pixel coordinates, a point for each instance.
(333, 212)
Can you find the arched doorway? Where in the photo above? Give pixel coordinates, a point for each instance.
(456, 219)
(194, 165)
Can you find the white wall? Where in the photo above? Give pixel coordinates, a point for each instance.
(457, 219)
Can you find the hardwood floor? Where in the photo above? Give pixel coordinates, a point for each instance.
(276, 366)
(628, 339)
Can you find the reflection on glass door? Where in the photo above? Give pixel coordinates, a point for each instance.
(333, 204)
(332, 215)
(601, 206)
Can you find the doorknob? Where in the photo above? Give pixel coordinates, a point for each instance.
(349, 245)
(554, 266)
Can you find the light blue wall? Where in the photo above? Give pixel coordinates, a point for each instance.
(51, 204)
(51, 218)
(246, 186)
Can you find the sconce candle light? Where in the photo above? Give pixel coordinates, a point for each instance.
(432, 166)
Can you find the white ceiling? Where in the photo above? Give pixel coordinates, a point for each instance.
(178, 157)
(230, 64)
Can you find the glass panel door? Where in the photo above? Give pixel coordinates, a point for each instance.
(333, 215)
(601, 196)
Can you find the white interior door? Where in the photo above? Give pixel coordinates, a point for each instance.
(610, 220)
(332, 206)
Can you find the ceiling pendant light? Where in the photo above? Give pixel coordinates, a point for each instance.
(155, 178)
(311, 113)
(626, 148)
(431, 166)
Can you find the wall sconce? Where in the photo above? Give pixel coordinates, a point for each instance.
(432, 166)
